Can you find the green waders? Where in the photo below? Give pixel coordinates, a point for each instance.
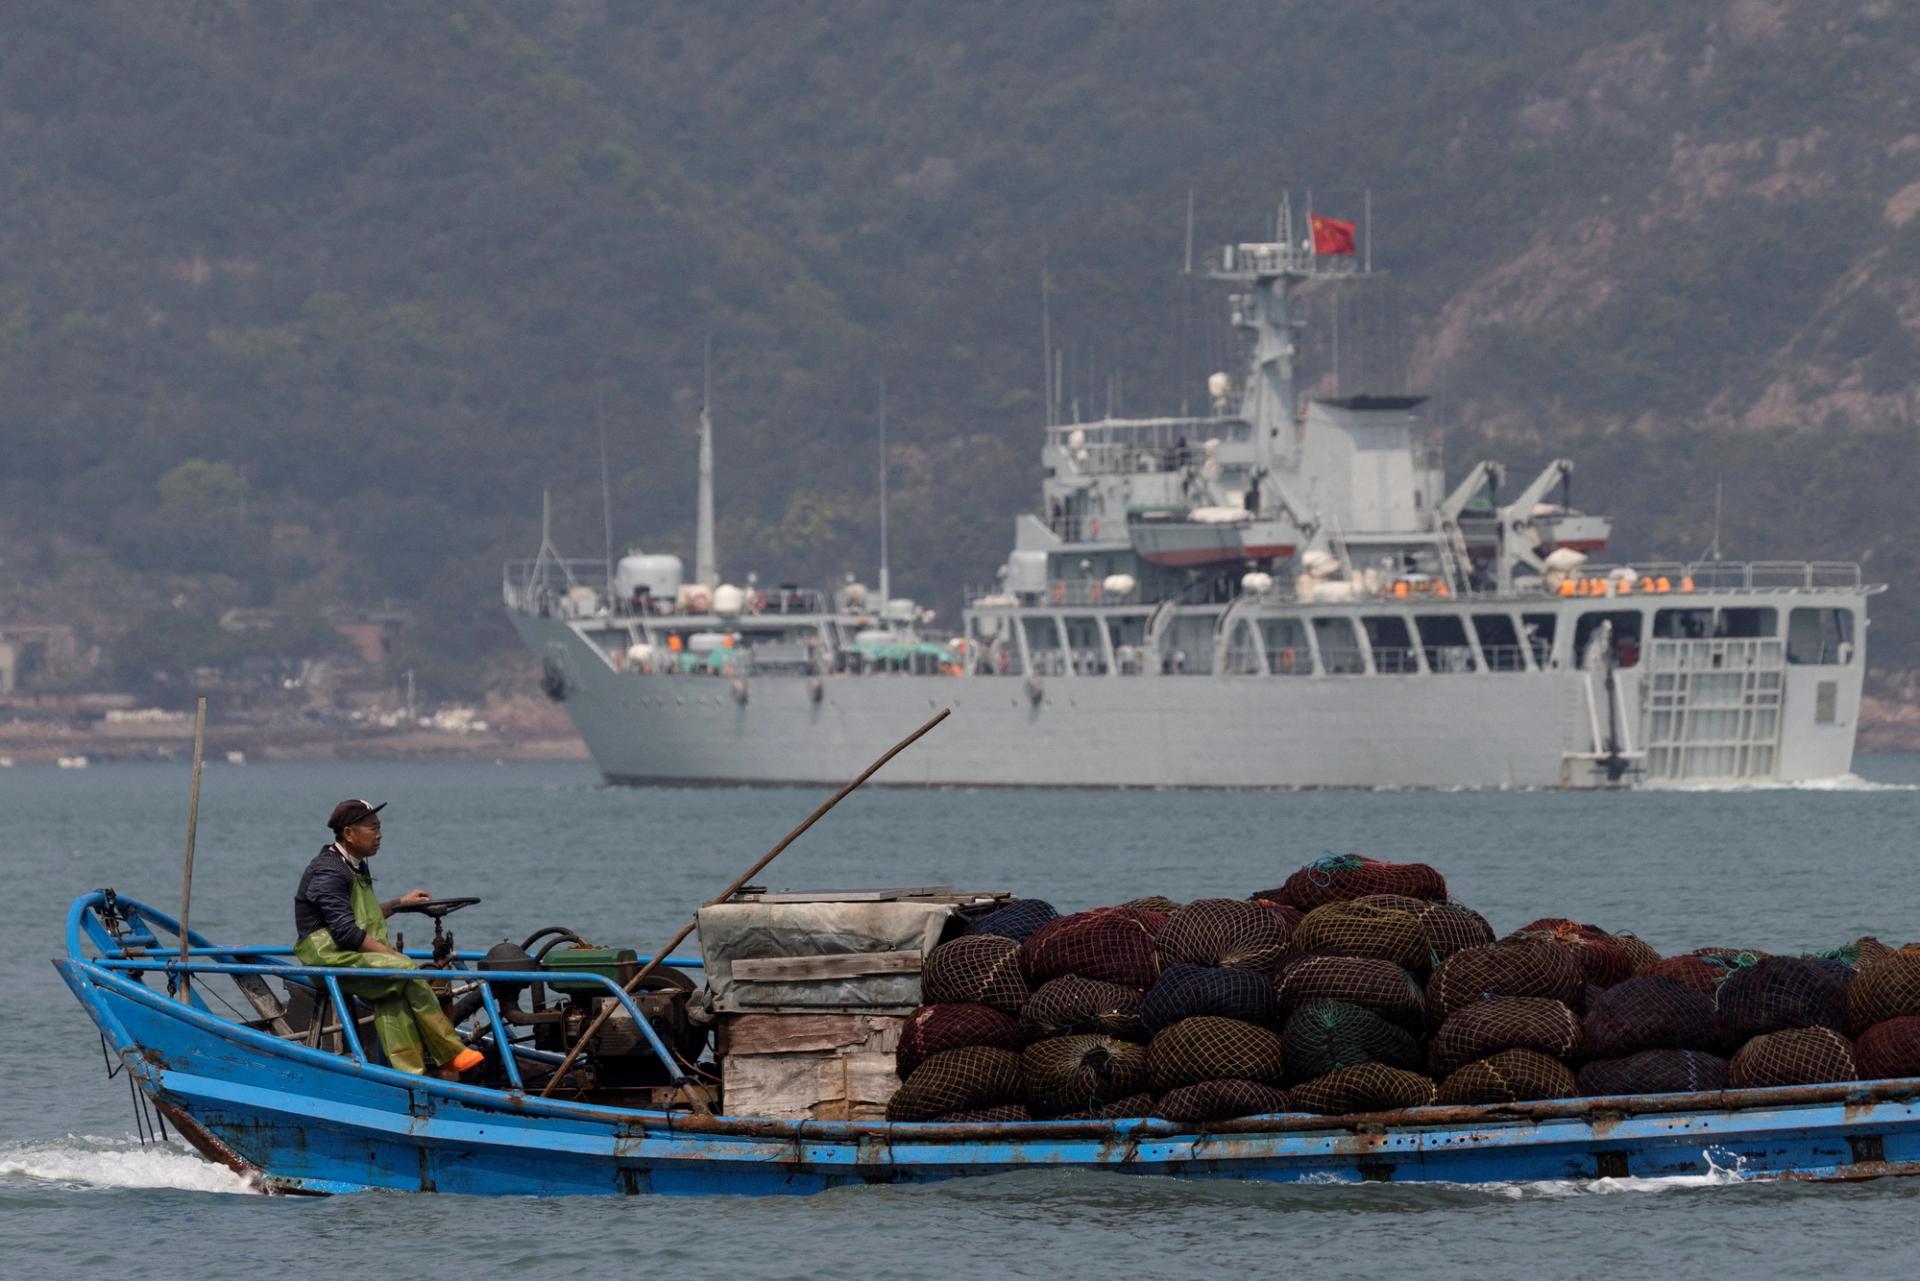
(406, 1013)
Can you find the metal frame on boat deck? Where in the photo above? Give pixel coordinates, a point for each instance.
(299, 1119)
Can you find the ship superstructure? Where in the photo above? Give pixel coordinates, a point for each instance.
(1283, 592)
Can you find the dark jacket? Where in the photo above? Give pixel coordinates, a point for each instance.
(325, 898)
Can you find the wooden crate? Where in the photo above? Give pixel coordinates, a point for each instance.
(822, 1067)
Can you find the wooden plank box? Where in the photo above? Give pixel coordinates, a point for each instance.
(822, 1067)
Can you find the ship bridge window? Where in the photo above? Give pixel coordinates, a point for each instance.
(1340, 653)
(1500, 643)
(1285, 640)
(1682, 624)
(1746, 623)
(1820, 637)
(1539, 629)
(1392, 643)
(1444, 637)
(1625, 635)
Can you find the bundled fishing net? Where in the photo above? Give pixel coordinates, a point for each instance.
(1334, 878)
(1363, 928)
(1112, 944)
(1449, 927)
(963, 1080)
(980, 969)
(1730, 956)
(1214, 1049)
(1224, 931)
(1133, 1105)
(1638, 950)
(1189, 991)
(1655, 1072)
(1221, 1101)
(1016, 921)
(935, 1029)
(1370, 1087)
(1858, 954)
(1504, 1023)
(1887, 989)
(1380, 986)
(999, 1115)
(1152, 903)
(1603, 962)
(1531, 968)
(1325, 1036)
(1650, 1012)
(1081, 1073)
(1511, 1076)
(1702, 974)
(1797, 1056)
(1783, 992)
(1889, 1050)
(1290, 916)
(1072, 1004)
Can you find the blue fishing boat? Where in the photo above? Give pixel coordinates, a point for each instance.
(300, 1103)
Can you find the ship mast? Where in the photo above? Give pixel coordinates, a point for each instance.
(705, 571)
(886, 585)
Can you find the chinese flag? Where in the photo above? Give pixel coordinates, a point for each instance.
(1331, 236)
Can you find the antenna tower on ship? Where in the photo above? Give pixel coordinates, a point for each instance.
(705, 571)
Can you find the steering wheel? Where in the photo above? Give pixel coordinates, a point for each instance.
(437, 907)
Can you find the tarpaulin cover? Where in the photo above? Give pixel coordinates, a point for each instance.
(1221, 1101)
(934, 1029)
(1370, 1087)
(1655, 1072)
(1324, 1036)
(957, 1081)
(1511, 1076)
(1214, 1049)
(979, 968)
(1073, 1004)
(732, 932)
(1504, 1023)
(1221, 931)
(1797, 1056)
(1189, 991)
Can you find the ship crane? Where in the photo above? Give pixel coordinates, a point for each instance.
(1516, 520)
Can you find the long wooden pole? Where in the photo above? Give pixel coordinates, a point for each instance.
(744, 877)
(193, 824)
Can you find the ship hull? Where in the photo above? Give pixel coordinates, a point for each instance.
(1470, 729)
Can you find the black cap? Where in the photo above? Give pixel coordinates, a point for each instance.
(347, 813)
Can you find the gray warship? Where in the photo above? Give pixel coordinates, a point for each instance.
(1284, 592)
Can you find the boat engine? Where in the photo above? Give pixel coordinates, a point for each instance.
(559, 1010)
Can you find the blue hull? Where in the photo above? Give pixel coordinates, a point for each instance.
(302, 1120)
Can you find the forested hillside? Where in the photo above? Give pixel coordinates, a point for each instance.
(303, 303)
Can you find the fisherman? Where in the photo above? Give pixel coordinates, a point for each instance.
(341, 923)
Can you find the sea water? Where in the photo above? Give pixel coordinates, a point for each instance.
(1774, 869)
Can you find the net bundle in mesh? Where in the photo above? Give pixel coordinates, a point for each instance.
(1783, 992)
(1603, 962)
(1887, 989)
(1655, 1072)
(1504, 1023)
(1511, 1076)
(1649, 1012)
(1016, 921)
(1369, 1087)
(1797, 1056)
(1380, 986)
(1153, 903)
(963, 1080)
(1530, 968)
(1642, 953)
(979, 969)
(1062, 1006)
(1334, 878)
(935, 1029)
(1856, 954)
(1221, 1101)
(1224, 931)
(1111, 944)
(1133, 1105)
(1889, 1050)
(1703, 974)
(1448, 926)
(1730, 956)
(1081, 1073)
(1190, 991)
(1214, 1049)
(1323, 1036)
(1290, 916)
(1000, 1115)
(1363, 928)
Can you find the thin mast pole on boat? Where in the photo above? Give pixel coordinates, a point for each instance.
(886, 584)
(193, 824)
(705, 571)
(606, 498)
(739, 881)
